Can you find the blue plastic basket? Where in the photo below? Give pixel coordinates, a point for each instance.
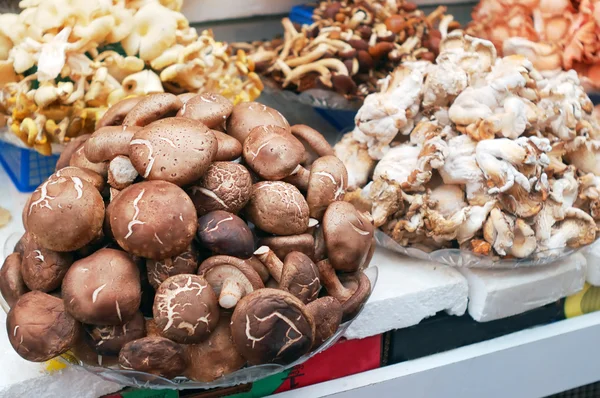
(26, 168)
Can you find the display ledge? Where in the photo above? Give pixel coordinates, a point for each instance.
(531, 363)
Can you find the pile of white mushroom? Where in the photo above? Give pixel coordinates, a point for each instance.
(477, 152)
(63, 62)
(188, 245)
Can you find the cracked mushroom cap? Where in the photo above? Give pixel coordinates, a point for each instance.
(348, 236)
(327, 313)
(225, 233)
(183, 263)
(185, 309)
(278, 208)
(231, 278)
(300, 276)
(272, 326)
(208, 108)
(44, 269)
(248, 115)
(103, 289)
(115, 115)
(272, 152)
(65, 213)
(152, 108)
(153, 219)
(39, 328)
(215, 357)
(225, 186)
(327, 184)
(108, 340)
(11, 281)
(174, 149)
(87, 175)
(154, 355)
(70, 149)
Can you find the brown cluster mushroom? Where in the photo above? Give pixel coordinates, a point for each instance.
(350, 45)
(203, 248)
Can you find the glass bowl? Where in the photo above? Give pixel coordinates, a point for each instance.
(136, 379)
(467, 259)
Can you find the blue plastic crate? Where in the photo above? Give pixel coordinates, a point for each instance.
(26, 168)
(342, 120)
(302, 14)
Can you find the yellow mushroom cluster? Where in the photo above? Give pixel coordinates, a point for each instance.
(63, 62)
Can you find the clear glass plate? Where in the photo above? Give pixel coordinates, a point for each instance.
(468, 259)
(317, 98)
(144, 380)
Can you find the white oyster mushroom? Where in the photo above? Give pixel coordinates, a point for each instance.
(577, 229)
(475, 216)
(585, 156)
(356, 158)
(450, 199)
(498, 231)
(398, 163)
(498, 158)
(524, 243)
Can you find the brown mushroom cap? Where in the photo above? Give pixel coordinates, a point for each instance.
(109, 142)
(44, 269)
(220, 271)
(351, 290)
(11, 282)
(185, 97)
(270, 325)
(327, 313)
(327, 184)
(177, 150)
(78, 159)
(313, 141)
(247, 115)
(108, 340)
(22, 243)
(65, 214)
(103, 289)
(153, 219)
(208, 108)
(348, 236)
(185, 309)
(272, 152)
(82, 350)
(225, 186)
(282, 245)
(88, 175)
(278, 208)
(225, 233)
(39, 328)
(152, 108)
(70, 149)
(115, 115)
(214, 357)
(228, 147)
(300, 277)
(151, 328)
(154, 355)
(183, 263)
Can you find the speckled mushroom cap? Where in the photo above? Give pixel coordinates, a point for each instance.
(348, 236)
(300, 277)
(38, 314)
(153, 219)
(152, 108)
(208, 108)
(108, 340)
(278, 208)
(271, 325)
(215, 357)
(328, 182)
(177, 150)
(225, 186)
(115, 115)
(183, 263)
(185, 309)
(11, 282)
(44, 269)
(88, 175)
(70, 149)
(225, 233)
(103, 289)
(272, 152)
(155, 355)
(65, 214)
(248, 115)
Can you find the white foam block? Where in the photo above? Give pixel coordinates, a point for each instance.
(407, 291)
(496, 294)
(592, 255)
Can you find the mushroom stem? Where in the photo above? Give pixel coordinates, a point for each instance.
(231, 293)
(270, 260)
(299, 177)
(332, 283)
